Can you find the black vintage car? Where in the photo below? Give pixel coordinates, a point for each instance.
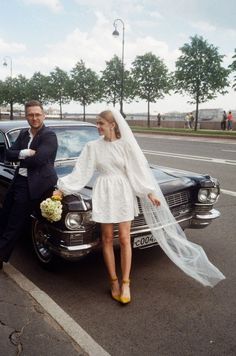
(190, 197)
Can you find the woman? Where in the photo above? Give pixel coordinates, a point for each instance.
(124, 174)
(229, 121)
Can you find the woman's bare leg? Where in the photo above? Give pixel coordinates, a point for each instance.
(126, 256)
(109, 257)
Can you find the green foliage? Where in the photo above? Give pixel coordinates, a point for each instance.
(111, 82)
(199, 71)
(232, 68)
(58, 86)
(58, 89)
(20, 85)
(85, 85)
(151, 79)
(13, 90)
(39, 88)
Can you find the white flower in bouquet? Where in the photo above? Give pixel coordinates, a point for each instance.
(51, 208)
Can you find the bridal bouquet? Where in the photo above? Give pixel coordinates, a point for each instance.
(51, 208)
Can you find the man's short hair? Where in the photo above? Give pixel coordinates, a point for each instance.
(30, 103)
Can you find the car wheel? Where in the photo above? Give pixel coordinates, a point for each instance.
(39, 238)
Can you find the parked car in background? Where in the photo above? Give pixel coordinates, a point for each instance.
(190, 196)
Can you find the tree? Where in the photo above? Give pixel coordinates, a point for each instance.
(111, 82)
(7, 94)
(151, 79)
(58, 90)
(199, 72)
(232, 68)
(85, 87)
(38, 88)
(12, 91)
(21, 89)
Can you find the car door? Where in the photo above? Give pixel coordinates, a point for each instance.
(7, 169)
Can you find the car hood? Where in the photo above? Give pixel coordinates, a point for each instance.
(170, 181)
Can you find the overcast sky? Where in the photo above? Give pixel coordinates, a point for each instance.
(39, 35)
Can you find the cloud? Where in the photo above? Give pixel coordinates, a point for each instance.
(54, 5)
(156, 15)
(95, 48)
(203, 26)
(11, 47)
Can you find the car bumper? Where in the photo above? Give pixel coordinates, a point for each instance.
(72, 252)
(201, 220)
(72, 245)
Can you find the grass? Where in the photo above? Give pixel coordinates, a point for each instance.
(185, 132)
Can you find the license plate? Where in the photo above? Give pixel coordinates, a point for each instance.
(142, 241)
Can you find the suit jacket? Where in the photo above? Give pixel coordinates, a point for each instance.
(41, 173)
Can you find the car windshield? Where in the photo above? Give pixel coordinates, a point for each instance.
(71, 139)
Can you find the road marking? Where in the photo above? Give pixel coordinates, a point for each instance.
(191, 157)
(228, 192)
(69, 325)
(228, 150)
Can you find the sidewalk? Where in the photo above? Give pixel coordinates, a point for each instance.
(26, 328)
(186, 133)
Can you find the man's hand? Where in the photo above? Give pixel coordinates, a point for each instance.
(31, 152)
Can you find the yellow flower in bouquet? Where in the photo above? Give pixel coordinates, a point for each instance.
(51, 208)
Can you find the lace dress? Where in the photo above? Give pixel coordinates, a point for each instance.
(121, 178)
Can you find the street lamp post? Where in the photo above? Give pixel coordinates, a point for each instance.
(116, 34)
(11, 99)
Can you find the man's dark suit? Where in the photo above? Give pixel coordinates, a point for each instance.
(25, 193)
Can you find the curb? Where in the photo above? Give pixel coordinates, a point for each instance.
(69, 325)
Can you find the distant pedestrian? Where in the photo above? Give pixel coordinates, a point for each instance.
(223, 121)
(186, 122)
(158, 120)
(229, 121)
(191, 120)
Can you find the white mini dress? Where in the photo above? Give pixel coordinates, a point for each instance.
(121, 178)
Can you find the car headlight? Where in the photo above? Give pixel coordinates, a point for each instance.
(213, 196)
(202, 195)
(208, 195)
(73, 221)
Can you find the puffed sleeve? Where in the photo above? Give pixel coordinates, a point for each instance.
(139, 173)
(81, 174)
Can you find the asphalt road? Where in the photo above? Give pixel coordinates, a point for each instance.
(170, 313)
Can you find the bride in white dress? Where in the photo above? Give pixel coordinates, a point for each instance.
(124, 175)
(120, 180)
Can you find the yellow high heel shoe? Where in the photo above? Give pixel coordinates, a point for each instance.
(125, 300)
(115, 296)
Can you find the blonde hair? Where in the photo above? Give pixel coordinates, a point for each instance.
(108, 116)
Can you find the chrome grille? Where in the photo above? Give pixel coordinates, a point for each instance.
(178, 199)
(179, 204)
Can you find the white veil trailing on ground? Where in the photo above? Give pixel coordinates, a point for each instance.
(187, 255)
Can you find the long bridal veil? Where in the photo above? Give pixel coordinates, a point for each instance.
(187, 255)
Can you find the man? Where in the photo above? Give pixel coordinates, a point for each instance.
(223, 121)
(35, 149)
(158, 119)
